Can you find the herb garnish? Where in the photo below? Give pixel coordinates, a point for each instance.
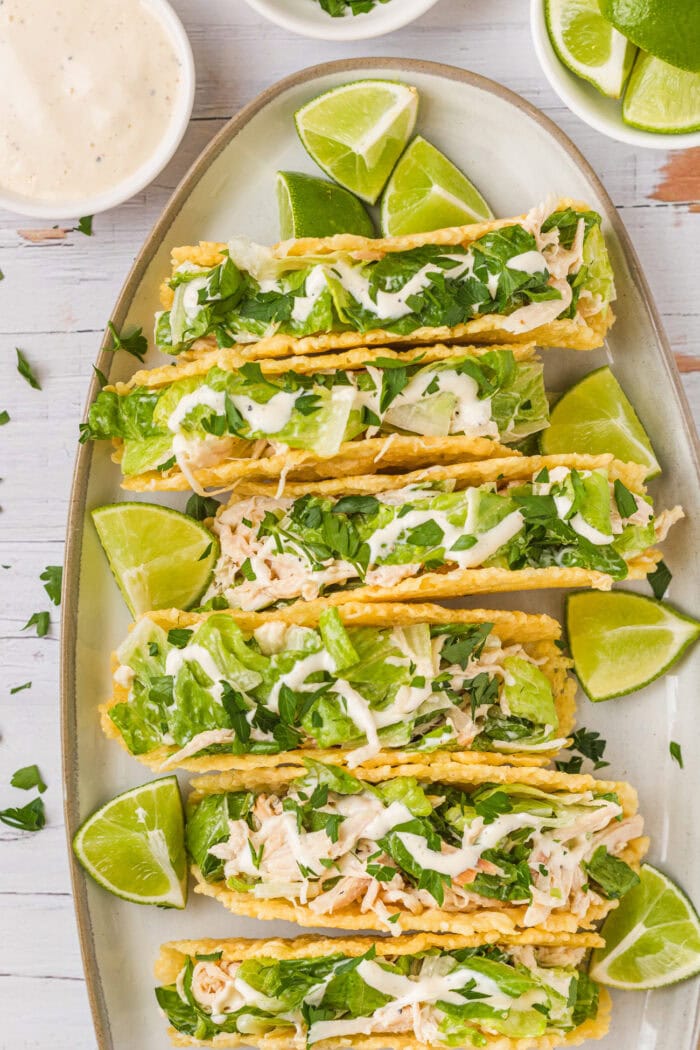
(589, 744)
(133, 341)
(27, 818)
(201, 507)
(659, 579)
(19, 688)
(4, 417)
(53, 578)
(40, 620)
(27, 778)
(676, 753)
(25, 370)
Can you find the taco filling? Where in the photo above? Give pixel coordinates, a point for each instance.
(552, 264)
(425, 687)
(333, 842)
(223, 415)
(441, 998)
(277, 550)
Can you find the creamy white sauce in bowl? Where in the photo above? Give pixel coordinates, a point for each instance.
(101, 95)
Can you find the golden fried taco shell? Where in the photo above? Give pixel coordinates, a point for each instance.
(362, 455)
(434, 769)
(569, 333)
(537, 634)
(173, 955)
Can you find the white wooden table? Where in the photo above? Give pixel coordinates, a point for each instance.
(54, 302)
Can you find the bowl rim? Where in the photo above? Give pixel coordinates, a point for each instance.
(166, 146)
(378, 22)
(560, 78)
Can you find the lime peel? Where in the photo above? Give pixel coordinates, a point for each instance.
(428, 192)
(134, 845)
(160, 558)
(620, 641)
(659, 921)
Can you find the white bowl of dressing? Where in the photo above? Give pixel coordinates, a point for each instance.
(308, 18)
(101, 96)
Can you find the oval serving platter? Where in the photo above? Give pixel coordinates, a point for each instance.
(505, 144)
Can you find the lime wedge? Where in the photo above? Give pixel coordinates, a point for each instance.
(652, 939)
(160, 558)
(134, 846)
(662, 98)
(595, 417)
(358, 131)
(669, 29)
(622, 641)
(427, 192)
(588, 45)
(313, 207)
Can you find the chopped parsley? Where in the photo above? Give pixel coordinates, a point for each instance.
(40, 620)
(25, 370)
(19, 688)
(133, 341)
(676, 753)
(31, 817)
(27, 778)
(659, 579)
(4, 417)
(53, 579)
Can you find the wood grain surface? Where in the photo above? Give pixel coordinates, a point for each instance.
(55, 299)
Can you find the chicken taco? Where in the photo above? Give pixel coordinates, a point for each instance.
(544, 276)
(361, 411)
(440, 847)
(359, 685)
(419, 992)
(501, 525)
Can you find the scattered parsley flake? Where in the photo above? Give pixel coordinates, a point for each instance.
(179, 636)
(676, 753)
(205, 553)
(133, 341)
(19, 688)
(41, 621)
(101, 377)
(27, 778)
(84, 226)
(25, 370)
(27, 818)
(4, 417)
(53, 579)
(201, 507)
(659, 579)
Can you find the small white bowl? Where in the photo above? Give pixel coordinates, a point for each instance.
(163, 149)
(308, 18)
(603, 114)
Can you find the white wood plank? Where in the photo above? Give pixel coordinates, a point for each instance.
(54, 303)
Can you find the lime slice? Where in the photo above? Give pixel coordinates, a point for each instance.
(595, 417)
(160, 558)
(662, 98)
(134, 846)
(652, 939)
(669, 29)
(427, 192)
(313, 207)
(588, 45)
(622, 641)
(358, 131)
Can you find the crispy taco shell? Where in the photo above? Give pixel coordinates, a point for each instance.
(173, 955)
(460, 582)
(570, 333)
(537, 634)
(434, 769)
(362, 455)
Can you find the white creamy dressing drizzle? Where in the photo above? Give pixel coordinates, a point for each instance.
(468, 855)
(392, 306)
(89, 93)
(528, 262)
(471, 415)
(178, 658)
(265, 418)
(203, 395)
(564, 503)
(383, 541)
(297, 675)
(316, 284)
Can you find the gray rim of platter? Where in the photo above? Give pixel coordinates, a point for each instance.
(77, 507)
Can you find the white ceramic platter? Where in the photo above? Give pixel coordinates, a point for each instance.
(517, 157)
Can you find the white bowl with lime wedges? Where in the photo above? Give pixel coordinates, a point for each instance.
(341, 19)
(630, 71)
